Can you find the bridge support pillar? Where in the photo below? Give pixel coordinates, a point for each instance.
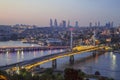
(71, 59)
(54, 63)
(94, 53)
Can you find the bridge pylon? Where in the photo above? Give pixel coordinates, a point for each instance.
(94, 53)
(94, 38)
(54, 64)
(71, 59)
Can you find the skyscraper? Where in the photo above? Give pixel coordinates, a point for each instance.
(95, 24)
(108, 25)
(76, 24)
(98, 24)
(90, 24)
(112, 24)
(68, 24)
(64, 23)
(51, 23)
(55, 23)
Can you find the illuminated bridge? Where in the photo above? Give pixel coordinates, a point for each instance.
(29, 64)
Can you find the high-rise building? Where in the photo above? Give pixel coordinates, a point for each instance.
(76, 24)
(55, 23)
(95, 24)
(112, 24)
(51, 23)
(109, 24)
(98, 24)
(63, 23)
(90, 24)
(68, 24)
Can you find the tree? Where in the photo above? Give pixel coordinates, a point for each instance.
(71, 74)
(5, 75)
(48, 75)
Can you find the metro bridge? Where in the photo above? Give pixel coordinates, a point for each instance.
(30, 48)
(29, 64)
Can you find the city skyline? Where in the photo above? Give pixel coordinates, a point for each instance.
(39, 12)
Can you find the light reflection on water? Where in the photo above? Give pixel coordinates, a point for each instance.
(107, 64)
(41, 52)
(10, 58)
(18, 56)
(113, 61)
(34, 54)
(22, 54)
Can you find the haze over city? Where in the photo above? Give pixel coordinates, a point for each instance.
(39, 12)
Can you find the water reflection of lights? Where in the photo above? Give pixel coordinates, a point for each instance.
(7, 54)
(34, 53)
(7, 57)
(22, 55)
(41, 52)
(106, 54)
(61, 50)
(18, 56)
(111, 53)
(32, 45)
(55, 51)
(49, 52)
(113, 56)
